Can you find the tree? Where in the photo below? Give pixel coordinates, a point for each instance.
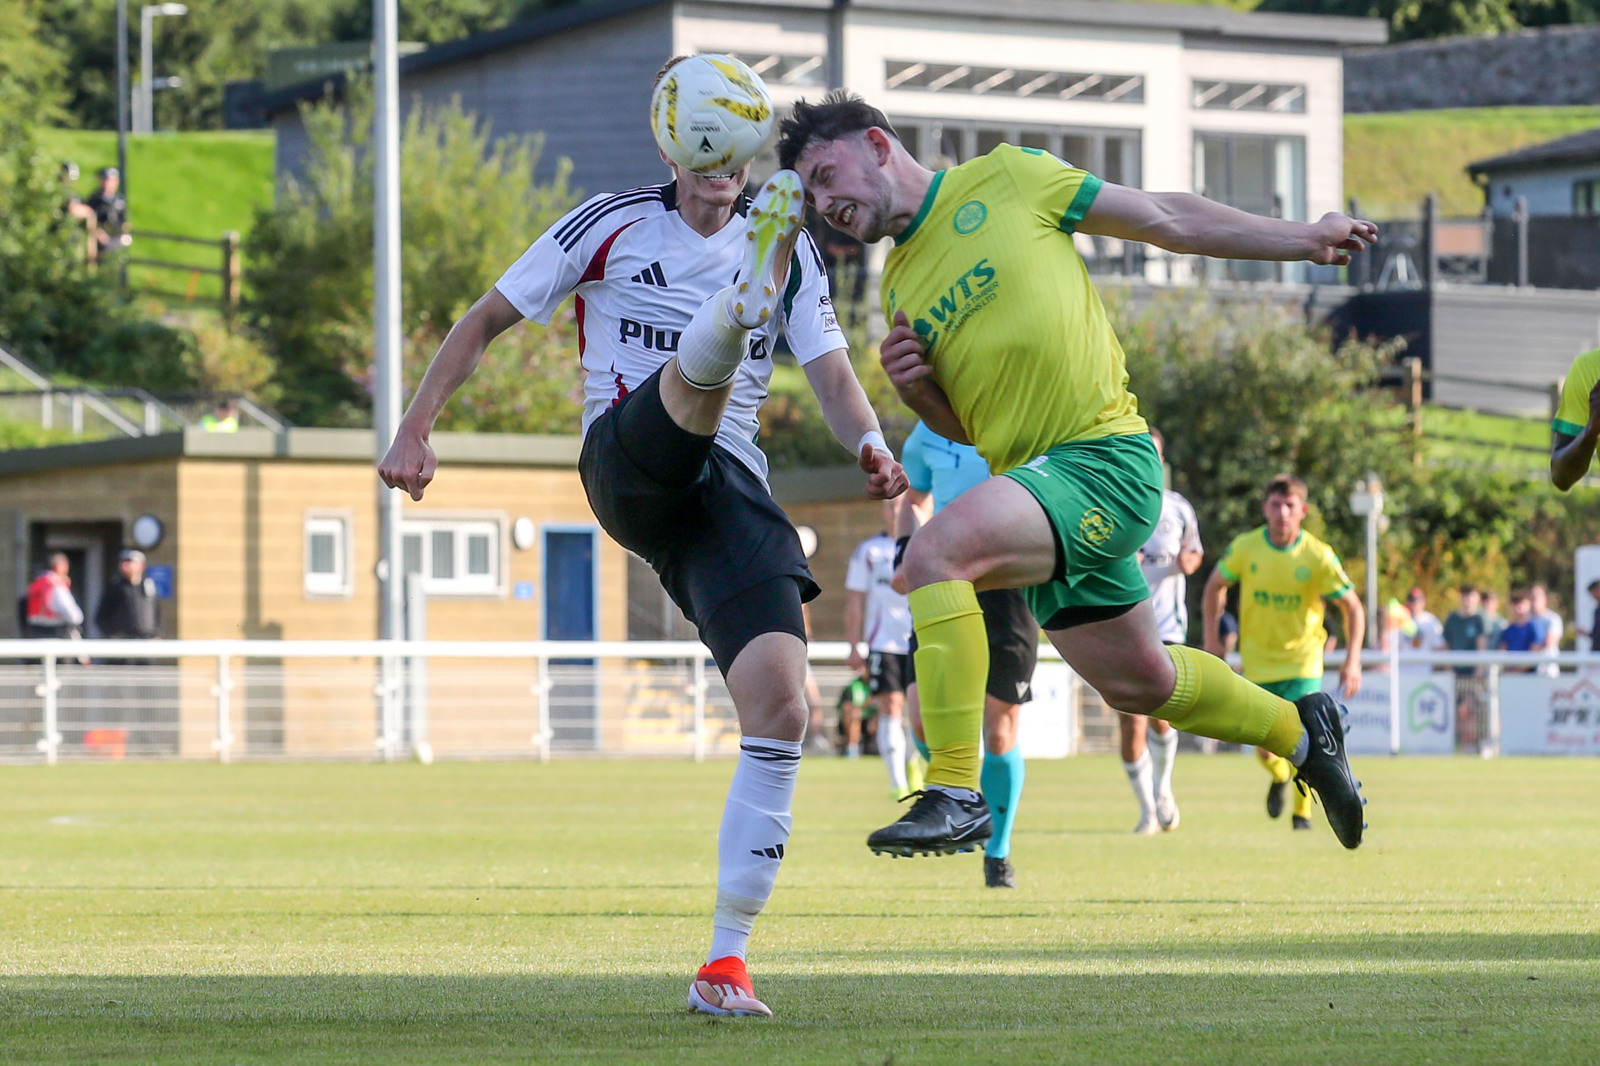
(1422, 19)
(469, 207)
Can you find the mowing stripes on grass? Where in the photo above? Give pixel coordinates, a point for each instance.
(518, 912)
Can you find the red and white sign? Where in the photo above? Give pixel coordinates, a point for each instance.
(1550, 715)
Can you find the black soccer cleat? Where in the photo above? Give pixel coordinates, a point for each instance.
(1302, 823)
(997, 873)
(937, 824)
(1326, 770)
(1275, 793)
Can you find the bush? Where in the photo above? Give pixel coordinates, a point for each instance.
(468, 209)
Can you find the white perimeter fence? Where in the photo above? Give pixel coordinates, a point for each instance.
(224, 700)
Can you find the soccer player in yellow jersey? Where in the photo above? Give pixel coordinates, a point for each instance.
(1576, 427)
(1284, 574)
(999, 340)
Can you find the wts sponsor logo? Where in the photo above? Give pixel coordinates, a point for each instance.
(651, 275)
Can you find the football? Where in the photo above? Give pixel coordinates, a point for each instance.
(711, 114)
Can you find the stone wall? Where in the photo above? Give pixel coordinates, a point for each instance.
(1559, 65)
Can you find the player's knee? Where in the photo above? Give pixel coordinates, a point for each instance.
(1137, 694)
(999, 737)
(928, 561)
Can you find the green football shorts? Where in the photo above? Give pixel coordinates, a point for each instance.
(1103, 499)
(1295, 688)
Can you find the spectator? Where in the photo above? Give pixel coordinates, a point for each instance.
(223, 418)
(1467, 630)
(129, 607)
(110, 211)
(1425, 633)
(1555, 628)
(52, 610)
(1594, 623)
(1525, 631)
(72, 204)
(1493, 622)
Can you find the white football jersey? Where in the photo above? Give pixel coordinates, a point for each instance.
(886, 616)
(1177, 531)
(639, 274)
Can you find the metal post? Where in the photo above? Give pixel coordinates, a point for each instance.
(388, 707)
(386, 301)
(1414, 395)
(1430, 240)
(1394, 695)
(1374, 620)
(75, 405)
(699, 709)
(47, 410)
(50, 743)
(1489, 741)
(1519, 218)
(230, 273)
(223, 690)
(122, 95)
(417, 669)
(152, 418)
(542, 689)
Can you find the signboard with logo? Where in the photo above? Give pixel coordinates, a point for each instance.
(1427, 713)
(1549, 715)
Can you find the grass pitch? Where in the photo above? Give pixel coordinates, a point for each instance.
(517, 912)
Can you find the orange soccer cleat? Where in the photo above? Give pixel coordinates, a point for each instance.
(723, 987)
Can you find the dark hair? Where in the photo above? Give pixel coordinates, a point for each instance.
(668, 65)
(1287, 485)
(840, 113)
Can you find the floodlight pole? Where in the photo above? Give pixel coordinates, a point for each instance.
(1367, 502)
(386, 309)
(122, 95)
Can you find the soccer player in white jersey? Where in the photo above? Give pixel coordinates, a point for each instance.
(679, 290)
(1172, 553)
(880, 617)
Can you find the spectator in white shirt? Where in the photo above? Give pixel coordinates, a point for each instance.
(1539, 596)
(1429, 633)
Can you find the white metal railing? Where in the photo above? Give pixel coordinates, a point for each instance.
(225, 699)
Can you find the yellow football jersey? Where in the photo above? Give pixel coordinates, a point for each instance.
(1016, 334)
(1573, 414)
(1281, 633)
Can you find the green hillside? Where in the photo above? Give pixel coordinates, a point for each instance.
(1392, 161)
(189, 184)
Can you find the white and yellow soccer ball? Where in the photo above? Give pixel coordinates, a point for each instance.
(711, 114)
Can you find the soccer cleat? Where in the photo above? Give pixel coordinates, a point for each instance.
(1167, 815)
(774, 223)
(723, 987)
(1302, 823)
(997, 873)
(937, 824)
(1275, 793)
(1326, 771)
(1147, 827)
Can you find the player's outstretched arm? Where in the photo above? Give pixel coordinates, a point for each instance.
(1355, 634)
(905, 360)
(1570, 457)
(410, 462)
(854, 424)
(1213, 601)
(1192, 225)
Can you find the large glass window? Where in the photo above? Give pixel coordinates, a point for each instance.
(1249, 96)
(1113, 155)
(454, 557)
(1264, 175)
(1013, 81)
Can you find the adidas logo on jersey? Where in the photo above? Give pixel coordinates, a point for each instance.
(651, 275)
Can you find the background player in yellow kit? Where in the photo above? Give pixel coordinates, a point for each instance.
(1000, 340)
(1284, 574)
(1576, 427)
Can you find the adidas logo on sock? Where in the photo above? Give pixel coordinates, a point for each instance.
(651, 275)
(774, 852)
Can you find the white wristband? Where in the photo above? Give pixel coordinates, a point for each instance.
(874, 438)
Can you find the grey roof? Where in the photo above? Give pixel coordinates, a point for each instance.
(1187, 18)
(330, 445)
(1577, 148)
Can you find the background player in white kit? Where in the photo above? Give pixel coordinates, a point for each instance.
(677, 362)
(874, 613)
(1172, 553)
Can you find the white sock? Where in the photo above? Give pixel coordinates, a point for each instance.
(1163, 749)
(892, 746)
(713, 345)
(1139, 777)
(755, 830)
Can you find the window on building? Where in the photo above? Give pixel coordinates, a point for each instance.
(1260, 174)
(1249, 96)
(1586, 197)
(454, 557)
(809, 71)
(1113, 155)
(1013, 81)
(327, 565)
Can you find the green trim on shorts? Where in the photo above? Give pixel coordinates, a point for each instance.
(1296, 688)
(1103, 500)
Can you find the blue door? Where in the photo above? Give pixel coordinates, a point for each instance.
(569, 614)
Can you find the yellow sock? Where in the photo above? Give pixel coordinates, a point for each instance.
(1210, 700)
(1302, 804)
(1280, 768)
(952, 666)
